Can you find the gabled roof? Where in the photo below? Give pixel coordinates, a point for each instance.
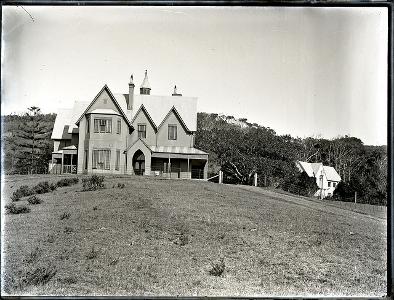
(316, 167)
(143, 109)
(106, 88)
(313, 168)
(63, 118)
(306, 167)
(176, 113)
(77, 108)
(331, 174)
(139, 139)
(159, 106)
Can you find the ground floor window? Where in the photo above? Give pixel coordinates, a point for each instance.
(117, 160)
(101, 159)
(86, 159)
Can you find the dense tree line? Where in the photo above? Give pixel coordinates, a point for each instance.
(241, 151)
(237, 147)
(27, 146)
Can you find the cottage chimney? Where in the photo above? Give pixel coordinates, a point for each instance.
(145, 87)
(130, 101)
(175, 92)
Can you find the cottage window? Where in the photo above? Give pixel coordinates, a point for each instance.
(142, 131)
(102, 125)
(117, 161)
(119, 127)
(172, 134)
(101, 159)
(329, 184)
(334, 184)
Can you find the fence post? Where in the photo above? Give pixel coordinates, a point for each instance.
(355, 197)
(255, 179)
(220, 177)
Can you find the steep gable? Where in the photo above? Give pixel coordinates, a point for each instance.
(105, 100)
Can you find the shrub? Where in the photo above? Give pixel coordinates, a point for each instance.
(53, 186)
(42, 188)
(22, 191)
(92, 253)
(65, 215)
(32, 256)
(34, 200)
(121, 185)
(93, 183)
(218, 268)
(67, 181)
(68, 230)
(40, 275)
(13, 209)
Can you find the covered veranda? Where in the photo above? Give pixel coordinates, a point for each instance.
(64, 161)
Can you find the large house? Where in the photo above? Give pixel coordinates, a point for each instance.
(326, 177)
(140, 134)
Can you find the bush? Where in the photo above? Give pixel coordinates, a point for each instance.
(34, 200)
(92, 253)
(53, 186)
(22, 191)
(42, 188)
(121, 185)
(68, 230)
(40, 275)
(93, 183)
(67, 181)
(302, 185)
(218, 268)
(65, 215)
(14, 210)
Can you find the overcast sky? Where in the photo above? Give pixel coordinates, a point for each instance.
(301, 71)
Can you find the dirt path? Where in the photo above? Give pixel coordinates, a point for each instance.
(316, 205)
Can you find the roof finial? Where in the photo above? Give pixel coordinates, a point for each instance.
(175, 89)
(131, 79)
(145, 87)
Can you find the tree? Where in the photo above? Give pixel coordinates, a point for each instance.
(31, 141)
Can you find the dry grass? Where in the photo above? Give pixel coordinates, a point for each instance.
(162, 237)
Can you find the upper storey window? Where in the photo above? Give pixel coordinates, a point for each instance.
(102, 125)
(172, 134)
(142, 131)
(119, 126)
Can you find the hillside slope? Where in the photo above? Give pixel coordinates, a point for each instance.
(160, 237)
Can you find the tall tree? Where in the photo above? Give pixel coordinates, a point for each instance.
(32, 142)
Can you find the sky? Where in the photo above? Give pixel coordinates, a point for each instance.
(300, 71)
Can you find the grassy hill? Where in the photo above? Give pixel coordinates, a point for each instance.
(161, 237)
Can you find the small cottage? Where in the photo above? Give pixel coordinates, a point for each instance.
(326, 177)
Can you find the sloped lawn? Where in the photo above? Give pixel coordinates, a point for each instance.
(163, 237)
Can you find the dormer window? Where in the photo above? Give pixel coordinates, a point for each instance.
(172, 132)
(102, 125)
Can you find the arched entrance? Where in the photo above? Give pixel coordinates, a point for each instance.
(139, 163)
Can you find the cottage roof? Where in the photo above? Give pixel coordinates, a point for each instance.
(331, 174)
(306, 167)
(316, 167)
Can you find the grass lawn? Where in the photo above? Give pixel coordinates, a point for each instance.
(161, 237)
